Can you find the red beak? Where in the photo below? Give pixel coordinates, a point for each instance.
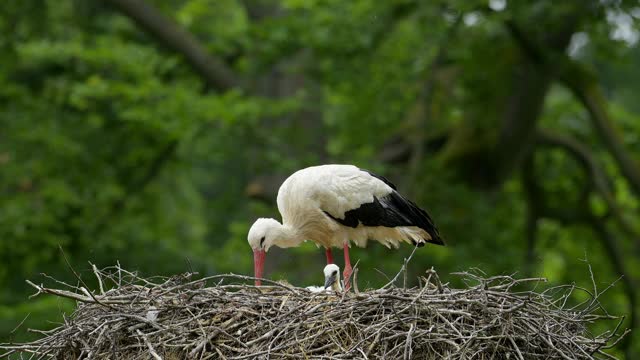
(258, 264)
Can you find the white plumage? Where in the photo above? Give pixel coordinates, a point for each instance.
(334, 205)
(306, 195)
(316, 289)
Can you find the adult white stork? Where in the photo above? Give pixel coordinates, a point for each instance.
(332, 205)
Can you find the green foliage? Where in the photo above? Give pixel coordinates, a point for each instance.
(114, 149)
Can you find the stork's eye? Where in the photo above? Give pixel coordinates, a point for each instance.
(335, 272)
(262, 241)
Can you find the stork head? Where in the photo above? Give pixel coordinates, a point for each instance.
(332, 277)
(261, 237)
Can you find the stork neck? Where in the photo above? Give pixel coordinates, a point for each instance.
(288, 237)
(336, 286)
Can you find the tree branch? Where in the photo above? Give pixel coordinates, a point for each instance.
(425, 100)
(584, 87)
(213, 71)
(525, 104)
(598, 178)
(517, 129)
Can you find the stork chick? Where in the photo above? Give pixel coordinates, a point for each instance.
(331, 280)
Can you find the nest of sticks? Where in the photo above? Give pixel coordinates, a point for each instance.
(225, 317)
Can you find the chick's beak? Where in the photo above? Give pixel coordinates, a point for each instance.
(258, 264)
(329, 280)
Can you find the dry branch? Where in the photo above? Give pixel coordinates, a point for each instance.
(213, 70)
(224, 317)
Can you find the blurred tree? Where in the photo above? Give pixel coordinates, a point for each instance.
(135, 130)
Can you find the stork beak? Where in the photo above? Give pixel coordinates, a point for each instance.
(329, 280)
(258, 264)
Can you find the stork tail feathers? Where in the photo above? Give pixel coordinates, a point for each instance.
(413, 215)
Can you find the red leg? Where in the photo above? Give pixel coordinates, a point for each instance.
(347, 268)
(329, 256)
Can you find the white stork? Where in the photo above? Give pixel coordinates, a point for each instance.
(332, 205)
(331, 280)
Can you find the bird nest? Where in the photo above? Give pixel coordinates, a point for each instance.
(225, 317)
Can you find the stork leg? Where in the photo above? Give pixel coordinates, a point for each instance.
(347, 268)
(329, 256)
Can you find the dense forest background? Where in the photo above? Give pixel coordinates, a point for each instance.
(153, 133)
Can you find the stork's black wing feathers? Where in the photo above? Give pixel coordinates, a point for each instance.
(381, 178)
(391, 211)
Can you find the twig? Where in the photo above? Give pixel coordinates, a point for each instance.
(407, 347)
(80, 279)
(20, 324)
(404, 266)
(146, 341)
(97, 273)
